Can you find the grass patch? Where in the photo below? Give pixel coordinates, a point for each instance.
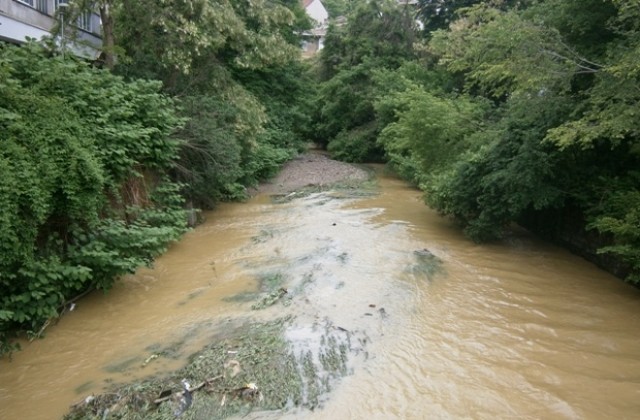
(270, 299)
(271, 286)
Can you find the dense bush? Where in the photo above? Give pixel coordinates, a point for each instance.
(239, 81)
(379, 36)
(81, 200)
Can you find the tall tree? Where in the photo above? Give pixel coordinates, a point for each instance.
(378, 35)
(439, 14)
(502, 52)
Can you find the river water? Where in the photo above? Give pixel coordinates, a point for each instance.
(519, 329)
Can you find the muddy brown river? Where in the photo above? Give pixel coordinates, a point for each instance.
(519, 329)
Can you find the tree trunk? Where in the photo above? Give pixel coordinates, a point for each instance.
(108, 37)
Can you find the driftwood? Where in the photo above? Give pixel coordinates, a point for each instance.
(191, 390)
(249, 391)
(65, 307)
(182, 399)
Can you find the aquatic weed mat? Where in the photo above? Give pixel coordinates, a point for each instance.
(250, 368)
(426, 265)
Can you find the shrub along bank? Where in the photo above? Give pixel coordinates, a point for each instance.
(84, 193)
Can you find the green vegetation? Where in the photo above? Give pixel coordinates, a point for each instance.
(81, 203)
(199, 100)
(237, 74)
(503, 111)
(254, 354)
(379, 36)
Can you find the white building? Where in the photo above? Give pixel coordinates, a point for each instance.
(22, 19)
(314, 38)
(316, 11)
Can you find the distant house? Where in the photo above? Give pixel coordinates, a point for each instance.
(22, 19)
(316, 11)
(314, 38)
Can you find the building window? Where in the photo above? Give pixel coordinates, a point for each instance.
(84, 21)
(40, 5)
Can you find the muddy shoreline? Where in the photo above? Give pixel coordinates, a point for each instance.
(311, 169)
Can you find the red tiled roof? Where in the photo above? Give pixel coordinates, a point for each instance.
(306, 3)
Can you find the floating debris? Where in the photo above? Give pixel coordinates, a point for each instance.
(428, 264)
(150, 359)
(183, 400)
(249, 392)
(223, 378)
(233, 366)
(424, 253)
(270, 299)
